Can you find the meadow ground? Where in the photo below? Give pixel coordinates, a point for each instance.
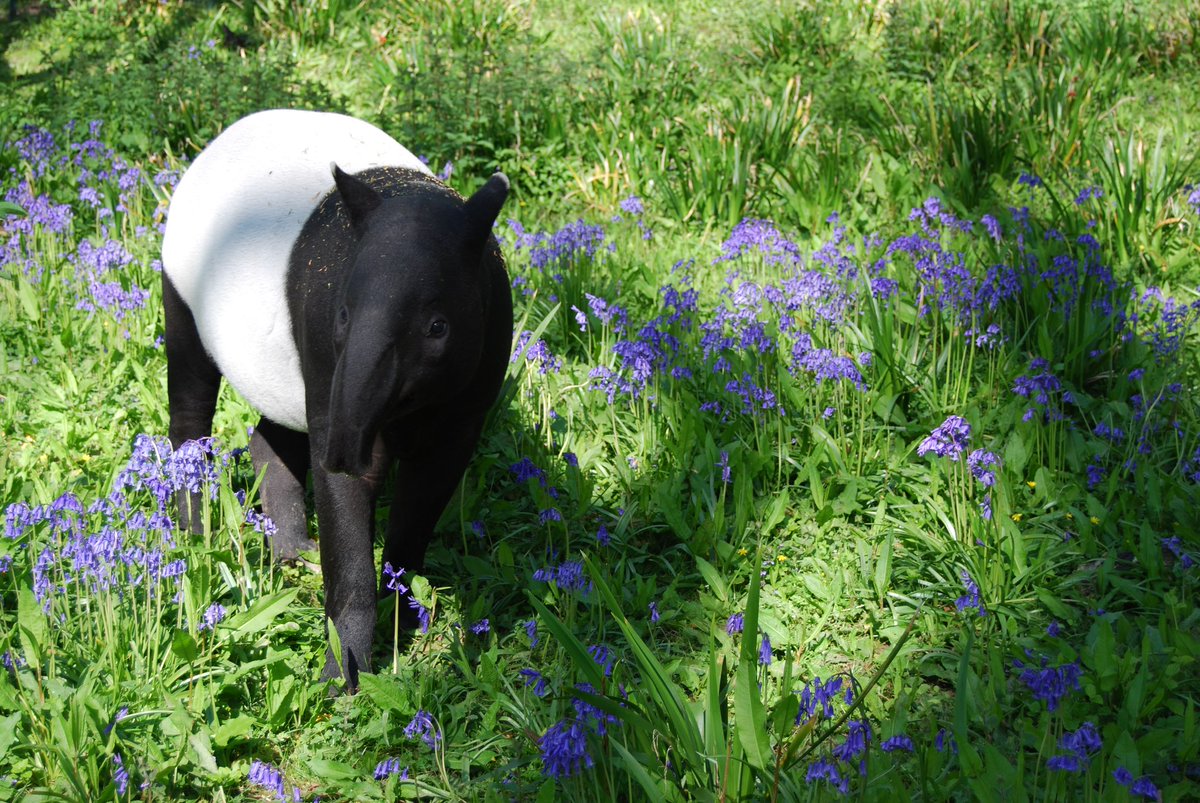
(849, 444)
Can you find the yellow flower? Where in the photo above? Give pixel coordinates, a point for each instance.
(1016, 517)
(743, 552)
(1031, 484)
(781, 558)
(1094, 520)
(1071, 517)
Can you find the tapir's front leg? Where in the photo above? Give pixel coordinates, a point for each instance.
(345, 521)
(426, 478)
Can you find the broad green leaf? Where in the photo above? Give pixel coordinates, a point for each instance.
(748, 712)
(32, 622)
(714, 579)
(201, 745)
(637, 771)
(385, 692)
(260, 614)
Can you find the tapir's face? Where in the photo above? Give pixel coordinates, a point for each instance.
(408, 331)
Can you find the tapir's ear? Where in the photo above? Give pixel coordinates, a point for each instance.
(357, 195)
(484, 206)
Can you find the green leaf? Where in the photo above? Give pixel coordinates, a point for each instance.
(201, 745)
(259, 615)
(184, 646)
(669, 698)
(231, 729)
(9, 208)
(714, 579)
(385, 693)
(749, 714)
(329, 771)
(637, 771)
(32, 622)
(420, 590)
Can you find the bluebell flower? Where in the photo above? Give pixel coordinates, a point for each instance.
(971, 599)
(1143, 787)
(981, 462)
(564, 749)
(949, 439)
(268, 777)
(858, 735)
(421, 726)
(897, 742)
(764, 651)
(481, 627)
(119, 774)
(422, 614)
(1051, 684)
(531, 633)
(735, 624)
(212, 616)
(568, 576)
(388, 767)
(825, 770)
(654, 615)
(603, 656)
(534, 679)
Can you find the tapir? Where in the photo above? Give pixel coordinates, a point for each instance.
(363, 309)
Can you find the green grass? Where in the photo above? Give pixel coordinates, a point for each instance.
(744, 435)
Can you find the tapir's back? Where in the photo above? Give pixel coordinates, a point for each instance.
(230, 228)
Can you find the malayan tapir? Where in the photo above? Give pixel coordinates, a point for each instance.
(363, 308)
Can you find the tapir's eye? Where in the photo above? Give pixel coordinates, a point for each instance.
(438, 328)
(343, 318)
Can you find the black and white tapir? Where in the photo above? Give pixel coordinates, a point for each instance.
(363, 308)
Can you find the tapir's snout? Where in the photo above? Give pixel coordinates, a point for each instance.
(358, 400)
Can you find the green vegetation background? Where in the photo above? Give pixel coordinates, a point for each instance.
(710, 113)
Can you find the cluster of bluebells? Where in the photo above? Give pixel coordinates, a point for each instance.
(104, 186)
(567, 576)
(971, 600)
(1141, 787)
(270, 778)
(1050, 684)
(117, 543)
(1044, 391)
(564, 745)
(422, 727)
(1079, 747)
(537, 352)
(950, 440)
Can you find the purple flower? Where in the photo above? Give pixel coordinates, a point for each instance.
(1051, 684)
(481, 627)
(971, 599)
(531, 633)
(825, 770)
(393, 575)
(535, 679)
(981, 463)
(568, 576)
(1144, 787)
(898, 742)
(764, 651)
(723, 464)
(654, 615)
(389, 767)
(857, 737)
(735, 624)
(266, 776)
(949, 439)
(421, 726)
(212, 616)
(1066, 763)
(1123, 776)
(120, 774)
(422, 613)
(564, 749)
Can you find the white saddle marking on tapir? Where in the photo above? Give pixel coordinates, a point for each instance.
(232, 222)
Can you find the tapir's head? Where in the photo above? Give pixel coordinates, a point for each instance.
(408, 329)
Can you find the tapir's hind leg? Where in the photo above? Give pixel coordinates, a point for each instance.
(284, 454)
(193, 382)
